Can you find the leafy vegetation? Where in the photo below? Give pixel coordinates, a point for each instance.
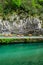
(6, 41)
(29, 6)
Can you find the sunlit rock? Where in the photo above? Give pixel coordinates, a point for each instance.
(6, 25)
(17, 18)
(1, 25)
(37, 23)
(11, 18)
(1, 22)
(21, 26)
(30, 34)
(40, 35)
(10, 35)
(5, 32)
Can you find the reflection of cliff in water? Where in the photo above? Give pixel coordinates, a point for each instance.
(21, 26)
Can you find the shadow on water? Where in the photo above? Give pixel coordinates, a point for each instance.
(21, 54)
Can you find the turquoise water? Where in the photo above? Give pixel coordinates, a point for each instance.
(21, 54)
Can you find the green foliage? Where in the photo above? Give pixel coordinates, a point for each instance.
(16, 2)
(1, 8)
(8, 41)
(40, 2)
(29, 6)
(12, 3)
(32, 6)
(26, 5)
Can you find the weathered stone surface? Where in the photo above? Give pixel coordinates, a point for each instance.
(30, 25)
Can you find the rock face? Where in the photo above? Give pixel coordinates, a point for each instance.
(1, 25)
(21, 26)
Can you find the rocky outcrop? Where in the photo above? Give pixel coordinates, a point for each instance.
(21, 26)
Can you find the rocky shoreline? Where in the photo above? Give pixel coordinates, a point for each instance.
(15, 24)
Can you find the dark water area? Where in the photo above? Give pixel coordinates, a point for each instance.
(21, 54)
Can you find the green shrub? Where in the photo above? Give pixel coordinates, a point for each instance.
(16, 3)
(28, 6)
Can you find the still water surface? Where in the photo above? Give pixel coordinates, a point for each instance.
(21, 54)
